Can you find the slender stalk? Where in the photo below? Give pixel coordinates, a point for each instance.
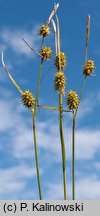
(29, 45)
(55, 34)
(61, 119)
(39, 77)
(75, 113)
(44, 75)
(73, 155)
(62, 144)
(36, 155)
(86, 53)
(34, 128)
(81, 93)
(52, 108)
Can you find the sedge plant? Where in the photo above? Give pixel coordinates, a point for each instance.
(73, 100)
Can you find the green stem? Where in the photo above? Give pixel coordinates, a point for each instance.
(81, 93)
(36, 155)
(52, 108)
(39, 78)
(73, 155)
(82, 89)
(62, 144)
(74, 113)
(34, 127)
(86, 53)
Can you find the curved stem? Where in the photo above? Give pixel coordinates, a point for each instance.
(73, 155)
(36, 155)
(9, 75)
(62, 145)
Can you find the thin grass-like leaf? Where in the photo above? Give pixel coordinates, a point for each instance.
(9, 75)
(53, 12)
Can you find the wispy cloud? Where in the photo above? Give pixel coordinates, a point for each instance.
(87, 188)
(14, 181)
(10, 39)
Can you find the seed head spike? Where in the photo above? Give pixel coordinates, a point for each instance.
(72, 100)
(27, 99)
(59, 82)
(44, 30)
(88, 69)
(87, 30)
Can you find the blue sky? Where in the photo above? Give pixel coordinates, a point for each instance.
(17, 164)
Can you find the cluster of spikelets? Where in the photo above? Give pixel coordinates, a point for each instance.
(72, 100)
(44, 30)
(45, 52)
(88, 68)
(27, 99)
(60, 61)
(60, 79)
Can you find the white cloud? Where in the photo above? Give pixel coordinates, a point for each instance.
(87, 105)
(87, 143)
(54, 191)
(10, 38)
(97, 166)
(87, 188)
(14, 179)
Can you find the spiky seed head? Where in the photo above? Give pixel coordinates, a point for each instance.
(60, 81)
(46, 53)
(88, 68)
(44, 30)
(87, 30)
(60, 61)
(27, 99)
(72, 100)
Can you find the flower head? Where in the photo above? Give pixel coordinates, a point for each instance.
(27, 99)
(60, 80)
(88, 68)
(72, 100)
(46, 53)
(44, 30)
(60, 61)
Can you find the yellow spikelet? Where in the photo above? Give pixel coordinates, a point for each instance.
(27, 99)
(46, 53)
(72, 100)
(60, 81)
(44, 30)
(60, 61)
(88, 68)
